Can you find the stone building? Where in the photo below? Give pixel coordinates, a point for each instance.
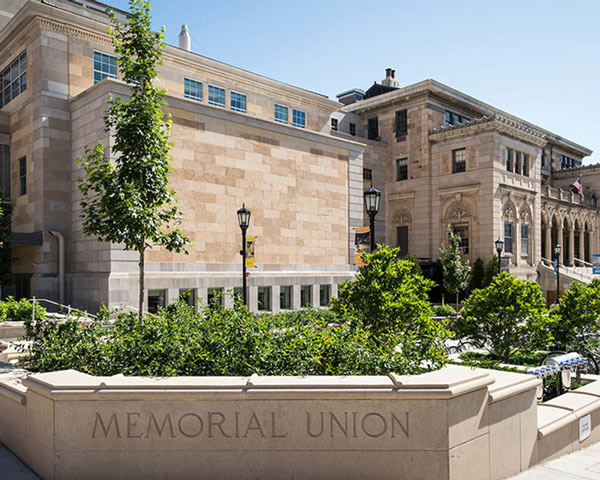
(298, 160)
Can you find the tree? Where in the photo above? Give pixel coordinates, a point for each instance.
(456, 275)
(129, 201)
(6, 275)
(491, 270)
(477, 275)
(416, 264)
(508, 314)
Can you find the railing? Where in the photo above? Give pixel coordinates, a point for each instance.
(566, 196)
(574, 272)
(583, 262)
(67, 308)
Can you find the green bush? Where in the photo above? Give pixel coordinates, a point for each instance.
(20, 310)
(443, 311)
(490, 271)
(578, 312)
(477, 275)
(508, 315)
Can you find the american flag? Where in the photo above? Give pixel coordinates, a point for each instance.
(578, 188)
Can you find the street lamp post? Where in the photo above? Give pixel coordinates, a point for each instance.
(557, 249)
(372, 198)
(243, 215)
(499, 246)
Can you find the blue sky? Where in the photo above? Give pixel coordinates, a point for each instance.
(537, 59)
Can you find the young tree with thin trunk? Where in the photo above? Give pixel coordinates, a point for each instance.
(456, 275)
(128, 200)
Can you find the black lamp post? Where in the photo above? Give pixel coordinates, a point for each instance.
(243, 215)
(556, 252)
(372, 199)
(499, 246)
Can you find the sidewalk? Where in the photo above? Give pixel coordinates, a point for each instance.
(580, 465)
(11, 468)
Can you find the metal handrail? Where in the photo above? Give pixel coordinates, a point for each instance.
(587, 264)
(68, 308)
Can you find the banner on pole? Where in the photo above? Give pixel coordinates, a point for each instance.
(596, 263)
(250, 242)
(362, 241)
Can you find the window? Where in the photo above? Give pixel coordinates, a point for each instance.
(451, 118)
(334, 124)
(13, 79)
(525, 165)
(524, 239)
(367, 174)
(156, 299)
(462, 230)
(264, 298)
(285, 297)
(459, 160)
(22, 176)
(373, 128)
(306, 296)
(281, 114)
(352, 129)
(216, 96)
(517, 162)
(324, 295)
(402, 240)
(214, 297)
(401, 124)
(509, 160)
(401, 169)
(543, 157)
(237, 293)
(192, 89)
(298, 118)
(4, 172)
(188, 295)
(566, 162)
(508, 237)
(104, 66)
(238, 102)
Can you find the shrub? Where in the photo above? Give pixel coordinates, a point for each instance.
(20, 310)
(477, 275)
(509, 314)
(490, 271)
(443, 311)
(578, 312)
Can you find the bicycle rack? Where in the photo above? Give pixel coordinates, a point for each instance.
(567, 364)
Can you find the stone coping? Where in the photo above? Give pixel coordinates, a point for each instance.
(508, 384)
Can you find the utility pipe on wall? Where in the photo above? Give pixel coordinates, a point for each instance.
(61, 265)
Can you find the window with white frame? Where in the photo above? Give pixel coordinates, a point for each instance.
(298, 118)
(459, 160)
(281, 114)
(104, 66)
(216, 96)
(401, 169)
(192, 89)
(508, 237)
(524, 239)
(13, 79)
(238, 102)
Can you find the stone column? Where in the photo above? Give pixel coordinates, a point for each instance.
(571, 247)
(582, 245)
(548, 233)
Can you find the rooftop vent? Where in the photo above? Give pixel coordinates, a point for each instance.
(184, 39)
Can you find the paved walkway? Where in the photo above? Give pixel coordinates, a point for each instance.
(11, 468)
(580, 465)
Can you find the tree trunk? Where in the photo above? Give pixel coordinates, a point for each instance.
(141, 283)
(457, 301)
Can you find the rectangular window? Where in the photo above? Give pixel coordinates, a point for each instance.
(237, 293)
(281, 114)
(215, 297)
(448, 118)
(509, 160)
(104, 66)
(459, 160)
(216, 96)
(401, 124)
(508, 237)
(22, 176)
(367, 174)
(264, 298)
(324, 295)
(156, 299)
(524, 239)
(306, 296)
(238, 102)
(352, 129)
(567, 162)
(525, 165)
(188, 295)
(285, 297)
(543, 157)
(402, 240)
(451, 118)
(373, 128)
(462, 230)
(334, 124)
(401, 169)
(192, 89)
(5, 172)
(298, 118)
(517, 162)
(13, 79)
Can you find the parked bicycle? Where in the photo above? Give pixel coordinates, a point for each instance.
(587, 347)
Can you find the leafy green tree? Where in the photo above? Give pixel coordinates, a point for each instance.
(578, 312)
(128, 200)
(6, 275)
(491, 270)
(507, 315)
(477, 275)
(456, 275)
(417, 265)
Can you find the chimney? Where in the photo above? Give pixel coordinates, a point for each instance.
(184, 39)
(390, 78)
